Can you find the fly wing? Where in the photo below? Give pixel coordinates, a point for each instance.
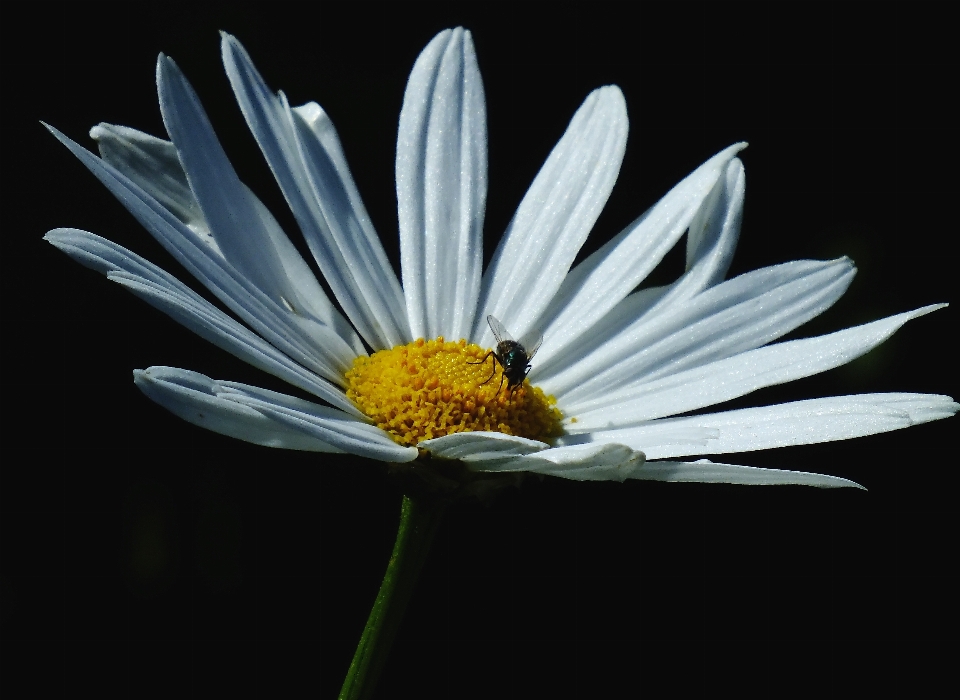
(530, 342)
(499, 332)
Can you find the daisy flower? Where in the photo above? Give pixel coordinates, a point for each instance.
(401, 369)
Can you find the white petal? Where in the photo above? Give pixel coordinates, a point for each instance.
(727, 379)
(589, 462)
(634, 306)
(304, 153)
(555, 216)
(714, 232)
(246, 232)
(706, 472)
(712, 239)
(219, 329)
(154, 165)
(657, 437)
(309, 343)
(228, 212)
(700, 202)
(193, 397)
(364, 278)
(478, 446)
(442, 186)
(104, 256)
(796, 423)
(168, 294)
(328, 425)
(738, 315)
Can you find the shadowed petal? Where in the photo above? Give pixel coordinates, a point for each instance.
(304, 153)
(228, 335)
(105, 256)
(328, 425)
(244, 229)
(193, 397)
(310, 343)
(166, 293)
(154, 165)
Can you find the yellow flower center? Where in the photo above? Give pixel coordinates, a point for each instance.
(428, 389)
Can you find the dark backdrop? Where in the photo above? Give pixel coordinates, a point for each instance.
(141, 554)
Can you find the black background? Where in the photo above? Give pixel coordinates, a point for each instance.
(142, 555)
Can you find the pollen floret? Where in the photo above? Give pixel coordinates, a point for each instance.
(428, 389)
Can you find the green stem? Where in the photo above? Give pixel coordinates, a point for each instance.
(418, 525)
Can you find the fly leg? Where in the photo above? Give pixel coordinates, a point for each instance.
(495, 360)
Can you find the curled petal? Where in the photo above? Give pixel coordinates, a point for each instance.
(326, 424)
(481, 446)
(194, 398)
(586, 462)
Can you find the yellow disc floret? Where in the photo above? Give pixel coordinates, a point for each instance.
(428, 389)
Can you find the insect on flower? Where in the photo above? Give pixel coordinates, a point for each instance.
(512, 355)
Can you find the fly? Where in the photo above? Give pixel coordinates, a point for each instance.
(513, 356)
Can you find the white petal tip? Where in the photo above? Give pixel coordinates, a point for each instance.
(165, 66)
(929, 309)
(229, 43)
(611, 97)
(706, 472)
